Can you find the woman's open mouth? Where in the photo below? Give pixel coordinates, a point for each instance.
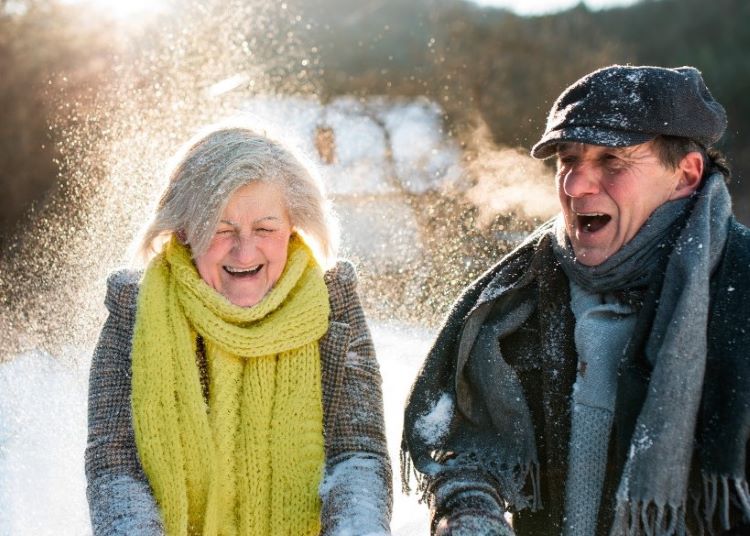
(243, 272)
(592, 222)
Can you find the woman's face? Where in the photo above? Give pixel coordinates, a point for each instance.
(249, 248)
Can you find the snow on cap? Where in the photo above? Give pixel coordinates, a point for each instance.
(623, 105)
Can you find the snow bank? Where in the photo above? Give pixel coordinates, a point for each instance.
(42, 439)
(43, 436)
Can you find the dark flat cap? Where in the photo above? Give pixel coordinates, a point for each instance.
(618, 106)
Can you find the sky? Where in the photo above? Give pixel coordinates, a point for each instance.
(521, 7)
(539, 7)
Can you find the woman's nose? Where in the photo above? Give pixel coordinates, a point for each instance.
(581, 180)
(244, 248)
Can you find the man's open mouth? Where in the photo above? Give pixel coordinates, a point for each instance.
(592, 222)
(243, 272)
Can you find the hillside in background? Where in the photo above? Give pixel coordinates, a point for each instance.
(490, 70)
(493, 66)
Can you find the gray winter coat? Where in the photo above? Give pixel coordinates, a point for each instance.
(356, 490)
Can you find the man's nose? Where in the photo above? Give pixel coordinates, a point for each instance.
(581, 180)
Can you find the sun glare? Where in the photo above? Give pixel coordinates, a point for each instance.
(126, 9)
(543, 7)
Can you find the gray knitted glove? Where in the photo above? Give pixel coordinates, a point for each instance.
(466, 503)
(473, 523)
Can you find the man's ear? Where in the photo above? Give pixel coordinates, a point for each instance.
(691, 173)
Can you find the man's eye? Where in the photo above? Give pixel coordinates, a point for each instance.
(613, 162)
(614, 157)
(566, 160)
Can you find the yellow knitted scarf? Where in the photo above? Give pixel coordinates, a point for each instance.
(250, 461)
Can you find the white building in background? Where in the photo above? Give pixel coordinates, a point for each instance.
(375, 155)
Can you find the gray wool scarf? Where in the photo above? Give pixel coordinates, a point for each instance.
(652, 494)
(603, 326)
(635, 263)
(653, 489)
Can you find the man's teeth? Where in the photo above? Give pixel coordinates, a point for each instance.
(243, 271)
(592, 221)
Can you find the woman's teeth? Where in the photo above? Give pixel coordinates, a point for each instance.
(243, 271)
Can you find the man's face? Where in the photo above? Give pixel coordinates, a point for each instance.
(608, 193)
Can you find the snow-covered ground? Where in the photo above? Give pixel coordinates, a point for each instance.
(43, 436)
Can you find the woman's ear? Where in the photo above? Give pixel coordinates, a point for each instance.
(690, 169)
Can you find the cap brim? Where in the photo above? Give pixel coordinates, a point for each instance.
(546, 147)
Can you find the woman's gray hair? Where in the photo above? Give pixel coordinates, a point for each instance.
(213, 166)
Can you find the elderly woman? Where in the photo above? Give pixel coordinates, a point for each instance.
(234, 388)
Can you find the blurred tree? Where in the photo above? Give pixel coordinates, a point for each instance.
(482, 65)
(52, 61)
(493, 66)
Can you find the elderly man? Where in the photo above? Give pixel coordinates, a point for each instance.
(597, 380)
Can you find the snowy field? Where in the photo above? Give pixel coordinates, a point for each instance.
(43, 436)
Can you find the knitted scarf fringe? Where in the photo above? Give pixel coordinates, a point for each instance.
(635, 518)
(409, 472)
(510, 482)
(721, 494)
